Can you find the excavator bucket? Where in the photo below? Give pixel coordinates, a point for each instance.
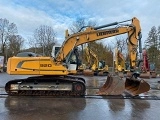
(153, 74)
(120, 74)
(88, 72)
(145, 75)
(136, 86)
(102, 73)
(79, 73)
(113, 86)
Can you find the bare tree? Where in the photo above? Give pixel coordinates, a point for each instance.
(15, 45)
(121, 45)
(79, 23)
(44, 39)
(7, 30)
(77, 26)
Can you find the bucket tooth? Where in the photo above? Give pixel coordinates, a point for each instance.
(113, 86)
(136, 86)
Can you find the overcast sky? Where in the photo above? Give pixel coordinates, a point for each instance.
(60, 14)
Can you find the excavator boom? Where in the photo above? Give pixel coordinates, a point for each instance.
(93, 34)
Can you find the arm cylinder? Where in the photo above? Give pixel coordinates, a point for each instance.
(107, 25)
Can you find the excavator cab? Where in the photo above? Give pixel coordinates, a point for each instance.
(101, 64)
(102, 68)
(72, 60)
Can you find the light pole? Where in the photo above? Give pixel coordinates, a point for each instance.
(5, 53)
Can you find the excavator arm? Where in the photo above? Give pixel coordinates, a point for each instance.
(97, 33)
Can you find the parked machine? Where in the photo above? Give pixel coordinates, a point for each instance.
(120, 63)
(53, 78)
(95, 66)
(146, 68)
(81, 68)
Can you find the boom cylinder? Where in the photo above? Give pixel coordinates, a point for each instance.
(107, 25)
(110, 24)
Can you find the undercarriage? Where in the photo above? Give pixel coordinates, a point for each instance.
(47, 86)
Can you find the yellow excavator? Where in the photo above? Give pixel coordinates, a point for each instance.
(119, 63)
(52, 73)
(121, 66)
(96, 67)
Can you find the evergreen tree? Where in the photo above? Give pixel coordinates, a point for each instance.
(152, 45)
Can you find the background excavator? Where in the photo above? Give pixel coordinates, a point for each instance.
(120, 63)
(143, 69)
(52, 73)
(95, 66)
(146, 68)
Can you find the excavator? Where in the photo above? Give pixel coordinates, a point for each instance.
(51, 73)
(146, 69)
(98, 67)
(120, 63)
(88, 71)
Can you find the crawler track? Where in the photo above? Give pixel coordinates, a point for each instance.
(47, 86)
